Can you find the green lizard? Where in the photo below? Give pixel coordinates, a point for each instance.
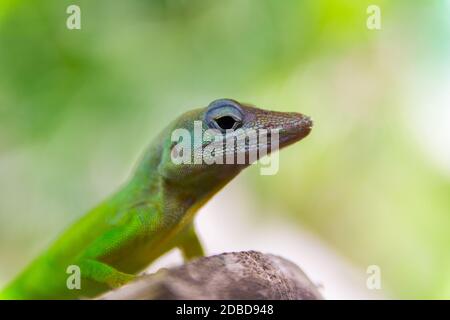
(153, 212)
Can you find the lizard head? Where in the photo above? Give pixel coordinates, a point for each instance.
(205, 148)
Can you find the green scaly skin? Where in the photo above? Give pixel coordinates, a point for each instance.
(152, 213)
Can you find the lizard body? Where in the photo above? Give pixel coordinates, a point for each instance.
(153, 212)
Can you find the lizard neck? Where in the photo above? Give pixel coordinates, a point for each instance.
(177, 197)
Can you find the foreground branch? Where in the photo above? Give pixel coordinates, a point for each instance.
(237, 275)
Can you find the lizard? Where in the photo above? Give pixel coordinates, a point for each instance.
(153, 212)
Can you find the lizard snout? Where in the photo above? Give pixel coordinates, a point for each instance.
(296, 127)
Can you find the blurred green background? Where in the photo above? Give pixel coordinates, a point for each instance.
(77, 107)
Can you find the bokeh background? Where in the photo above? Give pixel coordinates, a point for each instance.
(369, 186)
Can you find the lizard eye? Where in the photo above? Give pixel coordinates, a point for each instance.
(227, 123)
(224, 115)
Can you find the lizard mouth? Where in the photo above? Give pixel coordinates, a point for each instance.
(285, 136)
(274, 131)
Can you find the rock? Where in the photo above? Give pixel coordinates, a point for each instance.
(235, 275)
